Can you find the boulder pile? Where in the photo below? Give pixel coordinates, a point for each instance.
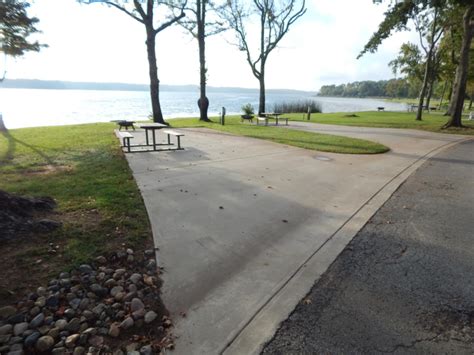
(110, 306)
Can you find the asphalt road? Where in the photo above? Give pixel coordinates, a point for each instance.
(405, 284)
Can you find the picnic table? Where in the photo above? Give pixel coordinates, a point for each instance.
(271, 116)
(152, 127)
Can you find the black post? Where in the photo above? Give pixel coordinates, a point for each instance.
(223, 116)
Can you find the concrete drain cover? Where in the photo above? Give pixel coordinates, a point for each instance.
(322, 158)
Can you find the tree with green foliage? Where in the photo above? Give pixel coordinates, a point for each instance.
(147, 14)
(200, 26)
(396, 19)
(274, 18)
(15, 28)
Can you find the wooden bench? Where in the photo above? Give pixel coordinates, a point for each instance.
(125, 136)
(177, 134)
(380, 108)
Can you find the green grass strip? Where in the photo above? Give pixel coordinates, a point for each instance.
(297, 138)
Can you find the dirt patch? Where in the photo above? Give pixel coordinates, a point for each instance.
(47, 170)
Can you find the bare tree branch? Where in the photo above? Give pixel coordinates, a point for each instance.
(110, 3)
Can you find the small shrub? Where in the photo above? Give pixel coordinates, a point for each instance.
(248, 109)
(297, 107)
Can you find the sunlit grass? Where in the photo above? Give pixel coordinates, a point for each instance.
(84, 170)
(297, 138)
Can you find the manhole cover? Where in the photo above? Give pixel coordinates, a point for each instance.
(322, 158)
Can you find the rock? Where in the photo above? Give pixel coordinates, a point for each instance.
(5, 338)
(84, 303)
(35, 311)
(114, 330)
(6, 329)
(88, 314)
(61, 324)
(129, 251)
(99, 290)
(40, 301)
(41, 291)
(31, 340)
(65, 283)
(139, 314)
(115, 290)
(19, 328)
(132, 288)
(69, 313)
(127, 323)
(150, 316)
(49, 320)
(146, 350)
(119, 296)
(110, 283)
(7, 311)
(120, 272)
(44, 329)
(74, 303)
(54, 332)
(59, 351)
(79, 351)
(135, 278)
(16, 318)
(131, 347)
(149, 252)
(15, 352)
(136, 305)
(101, 260)
(96, 341)
(129, 296)
(90, 331)
(44, 343)
(149, 280)
(16, 348)
(99, 309)
(15, 340)
(151, 264)
(37, 321)
(4, 349)
(130, 258)
(52, 301)
(71, 340)
(86, 269)
(73, 325)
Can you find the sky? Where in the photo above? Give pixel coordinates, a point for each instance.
(101, 44)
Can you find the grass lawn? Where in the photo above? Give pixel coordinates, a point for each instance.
(307, 140)
(431, 122)
(84, 170)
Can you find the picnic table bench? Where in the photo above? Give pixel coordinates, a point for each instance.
(271, 116)
(380, 108)
(177, 134)
(125, 136)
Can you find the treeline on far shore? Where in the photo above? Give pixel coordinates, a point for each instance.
(396, 88)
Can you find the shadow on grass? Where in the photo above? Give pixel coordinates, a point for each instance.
(11, 146)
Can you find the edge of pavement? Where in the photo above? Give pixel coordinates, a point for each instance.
(253, 335)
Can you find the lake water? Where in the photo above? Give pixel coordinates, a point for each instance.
(34, 107)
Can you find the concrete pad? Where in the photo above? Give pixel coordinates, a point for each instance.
(236, 219)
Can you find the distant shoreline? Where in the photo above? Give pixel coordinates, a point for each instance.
(73, 85)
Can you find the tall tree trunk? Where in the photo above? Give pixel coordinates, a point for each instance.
(261, 101)
(421, 98)
(153, 72)
(442, 95)
(429, 94)
(203, 102)
(459, 88)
